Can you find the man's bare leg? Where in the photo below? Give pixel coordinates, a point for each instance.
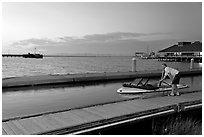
(173, 90)
(176, 90)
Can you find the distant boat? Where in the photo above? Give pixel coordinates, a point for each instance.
(32, 55)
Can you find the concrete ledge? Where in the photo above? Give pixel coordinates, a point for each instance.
(85, 77)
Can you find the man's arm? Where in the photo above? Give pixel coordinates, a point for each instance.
(163, 77)
(163, 73)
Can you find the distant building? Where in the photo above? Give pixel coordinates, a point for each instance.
(183, 49)
(139, 54)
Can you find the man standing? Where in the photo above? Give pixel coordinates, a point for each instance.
(174, 75)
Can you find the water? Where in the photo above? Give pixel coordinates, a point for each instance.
(26, 102)
(18, 67)
(34, 101)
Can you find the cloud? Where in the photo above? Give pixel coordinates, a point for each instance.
(31, 41)
(113, 36)
(116, 36)
(94, 38)
(109, 43)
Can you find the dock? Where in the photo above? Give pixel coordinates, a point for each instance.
(23, 55)
(12, 55)
(197, 59)
(91, 118)
(46, 80)
(101, 116)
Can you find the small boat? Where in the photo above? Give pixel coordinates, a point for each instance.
(143, 85)
(32, 55)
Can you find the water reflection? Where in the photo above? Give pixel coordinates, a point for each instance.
(26, 102)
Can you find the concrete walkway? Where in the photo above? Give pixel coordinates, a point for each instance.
(85, 77)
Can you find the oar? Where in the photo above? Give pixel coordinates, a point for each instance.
(166, 83)
(135, 80)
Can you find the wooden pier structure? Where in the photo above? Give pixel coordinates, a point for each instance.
(197, 59)
(91, 118)
(12, 55)
(96, 117)
(46, 80)
(23, 55)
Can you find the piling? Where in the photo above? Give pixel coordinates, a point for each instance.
(192, 64)
(133, 64)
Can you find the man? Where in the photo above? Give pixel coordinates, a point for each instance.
(174, 75)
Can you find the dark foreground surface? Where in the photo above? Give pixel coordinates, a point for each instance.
(184, 123)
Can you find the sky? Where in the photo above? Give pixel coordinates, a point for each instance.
(116, 28)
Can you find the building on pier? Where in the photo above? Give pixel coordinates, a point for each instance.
(182, 52)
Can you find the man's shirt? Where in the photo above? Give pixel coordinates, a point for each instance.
(170, 72)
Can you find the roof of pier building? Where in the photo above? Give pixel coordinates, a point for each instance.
(184, 47)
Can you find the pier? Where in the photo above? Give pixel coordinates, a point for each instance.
(12, 55)
(91, 118)
(197, 59)
(23, 55)
(46, 80)
(182, 52)
(87, 119)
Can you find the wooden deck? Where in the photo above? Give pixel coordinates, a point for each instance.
(197, 59)
(81, 120)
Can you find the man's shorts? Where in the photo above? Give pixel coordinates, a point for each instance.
(176, 79)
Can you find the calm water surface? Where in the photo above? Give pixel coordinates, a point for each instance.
(26, 102)
(17, 67)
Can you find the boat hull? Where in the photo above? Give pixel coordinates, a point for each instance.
(32, 56)
(128, 90)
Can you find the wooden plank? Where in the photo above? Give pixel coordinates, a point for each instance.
(86, 116)
(3, 132)
(121, 109)
(146, 104)
(135, 104)
(75, 117)
(95, 111)
(30, 126)
(86, 110)
(176, 99)
(192, 96)
(101, 111)
(15, 122)
(169, 100)
(15, 129)
(129, 108)
(43, 121)
(53, 122)
(47, 123)
(40, 123)
(122, 106)
(7, 129)
(108, 110)
(69, 117)
(60, 119)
